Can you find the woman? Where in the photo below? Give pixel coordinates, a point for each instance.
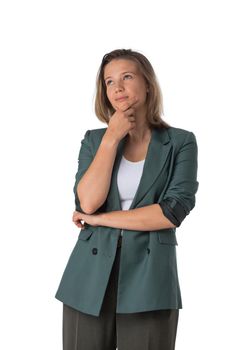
(136, 182)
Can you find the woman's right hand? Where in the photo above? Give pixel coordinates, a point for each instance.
(123, 120)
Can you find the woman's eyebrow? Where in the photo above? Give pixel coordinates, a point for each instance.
(121, 73)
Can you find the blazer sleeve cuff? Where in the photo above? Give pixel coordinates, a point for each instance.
(173, 210)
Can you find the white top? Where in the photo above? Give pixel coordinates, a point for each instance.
(128, 178)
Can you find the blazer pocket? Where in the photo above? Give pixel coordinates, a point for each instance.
(85, 233)
(167, 236)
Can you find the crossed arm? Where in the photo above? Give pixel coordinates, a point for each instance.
(177, 202)
(148, 218)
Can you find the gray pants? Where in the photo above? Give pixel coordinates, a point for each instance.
(151, 330)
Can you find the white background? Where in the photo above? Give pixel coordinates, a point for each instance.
(50, 54)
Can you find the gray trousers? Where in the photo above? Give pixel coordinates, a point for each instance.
(151, 330)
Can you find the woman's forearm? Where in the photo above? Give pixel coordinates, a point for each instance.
(94, 186)
(148, 218)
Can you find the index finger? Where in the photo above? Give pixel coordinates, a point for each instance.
(127, 104)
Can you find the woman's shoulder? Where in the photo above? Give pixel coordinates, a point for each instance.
(96, 132)
(179, 134)
(93, 137)
(172, 130)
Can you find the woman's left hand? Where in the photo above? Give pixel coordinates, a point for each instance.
(89, 219)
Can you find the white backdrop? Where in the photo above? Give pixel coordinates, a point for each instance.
(50, 54)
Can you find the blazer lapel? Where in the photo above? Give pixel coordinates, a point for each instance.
(157, 153)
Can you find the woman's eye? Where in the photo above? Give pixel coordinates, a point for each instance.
(126, 75)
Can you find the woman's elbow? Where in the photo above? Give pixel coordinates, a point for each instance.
(86, 208)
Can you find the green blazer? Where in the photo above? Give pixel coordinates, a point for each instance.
(148, 277)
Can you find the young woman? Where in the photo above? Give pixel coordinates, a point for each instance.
(136, 182)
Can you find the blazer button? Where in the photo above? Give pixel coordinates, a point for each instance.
(94, 251)
(148, 250)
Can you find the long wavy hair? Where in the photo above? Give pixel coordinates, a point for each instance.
(154, 102)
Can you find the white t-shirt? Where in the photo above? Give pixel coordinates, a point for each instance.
(128, 178)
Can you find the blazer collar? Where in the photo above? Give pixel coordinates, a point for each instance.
(157, 153)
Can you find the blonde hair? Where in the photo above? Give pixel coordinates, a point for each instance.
(104, 109)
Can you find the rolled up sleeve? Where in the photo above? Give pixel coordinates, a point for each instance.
(85, 158)
(179, 198)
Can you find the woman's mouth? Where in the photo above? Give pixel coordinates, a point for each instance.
(121, 98)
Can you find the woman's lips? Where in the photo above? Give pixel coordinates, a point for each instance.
(121, 98)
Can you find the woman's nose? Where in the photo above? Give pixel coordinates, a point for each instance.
(118, 86)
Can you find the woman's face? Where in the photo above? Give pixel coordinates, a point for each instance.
(123, 79)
